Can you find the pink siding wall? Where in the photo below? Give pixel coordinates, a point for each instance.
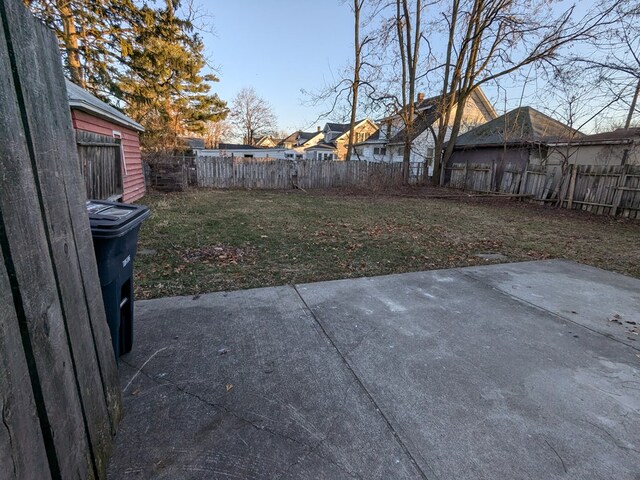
(134, 179)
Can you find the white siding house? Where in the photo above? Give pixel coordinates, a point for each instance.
(390, 136)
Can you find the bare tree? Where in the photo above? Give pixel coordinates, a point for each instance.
(357, 65)
(216, 132)
(340, 97)
(251, 115)
(408, 38)
(614, 56)
(489, 39)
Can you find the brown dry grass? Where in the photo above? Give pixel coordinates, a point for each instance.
(223, 240)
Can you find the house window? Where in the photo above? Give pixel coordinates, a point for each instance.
(400, 150)
(430, 153)
(118, 135)
(379, 151)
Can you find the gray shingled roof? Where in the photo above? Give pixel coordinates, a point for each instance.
(337, 127)
(341, 127)
(193, 142)
(308, 135)
(80, 99)
(519, 126)
(619, 135)
(322, 146)
(237, 146)
(422, 121)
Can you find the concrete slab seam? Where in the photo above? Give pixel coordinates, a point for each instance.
(542, 309)
(390, 426)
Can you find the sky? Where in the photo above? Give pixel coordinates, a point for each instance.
(279, 47)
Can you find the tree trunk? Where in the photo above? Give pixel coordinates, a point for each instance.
(632, 107)
(70, 40)
(356, 76)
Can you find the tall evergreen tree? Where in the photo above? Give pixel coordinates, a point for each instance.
(145, 60)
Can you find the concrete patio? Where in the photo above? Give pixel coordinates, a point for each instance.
(514, 371)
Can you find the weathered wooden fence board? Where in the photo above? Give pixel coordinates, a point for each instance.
(269, 173)
(22, 450)
(101, 164)
(603, 190)
(48, 254)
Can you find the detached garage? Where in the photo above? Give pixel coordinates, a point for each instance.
(108, 147)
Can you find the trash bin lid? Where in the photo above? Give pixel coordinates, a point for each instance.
(111, 220)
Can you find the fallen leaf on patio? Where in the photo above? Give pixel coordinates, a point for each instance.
(136, 391)
(229, 386)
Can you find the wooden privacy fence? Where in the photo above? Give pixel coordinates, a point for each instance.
(269, 173)
(59, 390)
(600, 189)
(101, 164)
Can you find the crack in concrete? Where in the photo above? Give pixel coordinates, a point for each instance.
(388, 423)
(564, 467)
(309, 449)
(616, 442)
(219, 407)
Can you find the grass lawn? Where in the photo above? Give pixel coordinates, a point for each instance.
(211, 240)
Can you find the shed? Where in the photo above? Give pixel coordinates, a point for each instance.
(518, 137)
(90, 114)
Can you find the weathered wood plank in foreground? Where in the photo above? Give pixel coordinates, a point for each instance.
(49, 257)
(22, 452)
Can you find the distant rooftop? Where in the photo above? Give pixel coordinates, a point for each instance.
(237, 146)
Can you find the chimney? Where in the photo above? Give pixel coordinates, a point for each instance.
(420, 96)
(318, 128)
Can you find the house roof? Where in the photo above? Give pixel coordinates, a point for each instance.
(373, 138)
(291, 138)
(80, 99)
(617, 136)
(423, 120)
(193, 142)
(337, 127)
(237, 146)
(427, 114)
(431, 102)
(322, 146)
(306, 136)
(519, 126)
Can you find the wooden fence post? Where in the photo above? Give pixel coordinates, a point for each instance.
(572, 186)
(620, 184)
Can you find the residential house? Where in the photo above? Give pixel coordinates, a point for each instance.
(336, 139)
(235, 150)
(90, 114)
(321, 151)
(373, 148)
(267, 141)
(298, 141)
(389, 144)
